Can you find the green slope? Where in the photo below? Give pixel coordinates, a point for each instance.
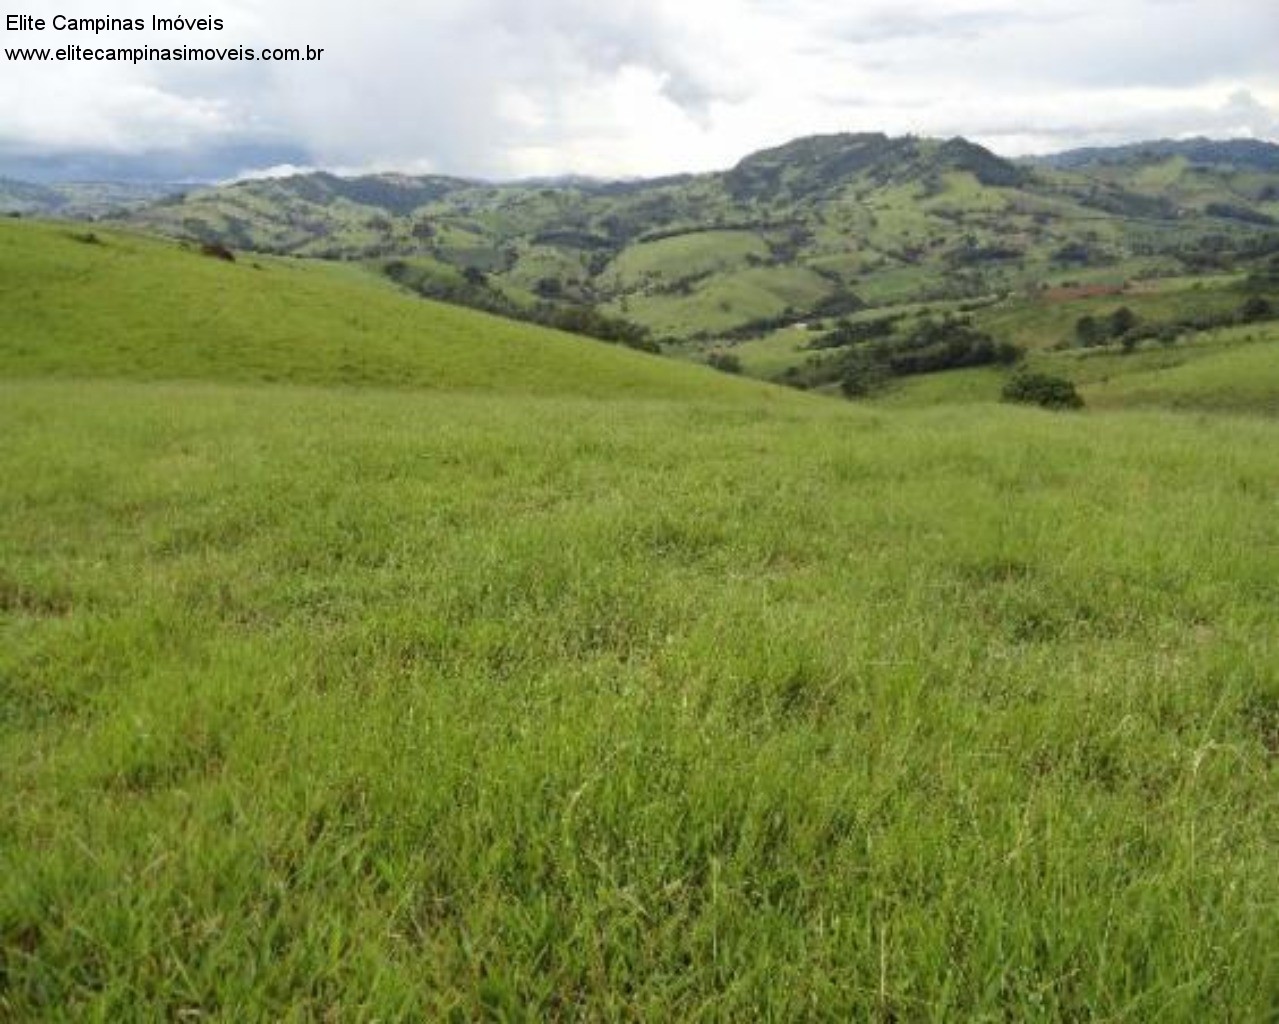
(129, 306)
(555, 682)
(1231, 371)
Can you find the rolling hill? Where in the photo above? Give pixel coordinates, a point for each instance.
(363, 657)
(819, 227)
(78, 199)
(177, 313)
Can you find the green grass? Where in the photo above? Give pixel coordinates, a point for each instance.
(1231, 371)
(533, 694)
(1234, 371)
(685, 256)
(953, 387)
(1039, 321)
(769, 356)
(135, 307)
(726, 301)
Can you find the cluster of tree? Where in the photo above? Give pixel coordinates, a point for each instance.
(1218, 251)
(972, 253)
(474, 291)
(1074, 252)
(1042, 389)
(1233, 211)
(1092, 331)
(593, 324)
(570, 238)
(847, 332)
(786, 247)
(929, 347)
(1124, 327)
(1255, 309)
(947, 344)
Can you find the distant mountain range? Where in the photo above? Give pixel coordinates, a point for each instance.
(818, 227)
(79, 199)
(1238, 153)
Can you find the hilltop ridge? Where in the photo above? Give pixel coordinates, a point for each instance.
(818, 227)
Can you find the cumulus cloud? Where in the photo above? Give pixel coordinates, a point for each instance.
(501, 88)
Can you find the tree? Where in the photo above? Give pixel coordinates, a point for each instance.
(1088, 332)
(1256, 308)
(1121, 321)
(725, 362)
(1042, 389)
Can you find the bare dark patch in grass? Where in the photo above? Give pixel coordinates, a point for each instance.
(20, 599)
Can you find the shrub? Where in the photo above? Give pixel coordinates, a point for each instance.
(1121, 321)
(1254, 309)
(725, 362)
(1042, 389)
(1089, 332)
(862, 377)
(218, 251)
(848, 333)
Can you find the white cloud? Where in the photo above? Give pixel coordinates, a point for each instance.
(518, 87)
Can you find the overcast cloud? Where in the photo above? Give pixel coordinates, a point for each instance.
(511, 88)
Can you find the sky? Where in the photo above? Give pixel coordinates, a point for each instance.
(505, 89)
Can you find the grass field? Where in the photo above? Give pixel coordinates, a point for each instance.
(769, 356)
(726, 301)
(130, 306)
(544, 680)
(1234, 370)
(685, 256)
(1041, 321)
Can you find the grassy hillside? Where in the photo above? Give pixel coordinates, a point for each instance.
(1169, 323)
(124, 305)
(1233, 371)
(724, 301)
(687, 257)
(558, 682)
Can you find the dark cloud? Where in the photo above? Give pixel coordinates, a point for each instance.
(204, 164)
